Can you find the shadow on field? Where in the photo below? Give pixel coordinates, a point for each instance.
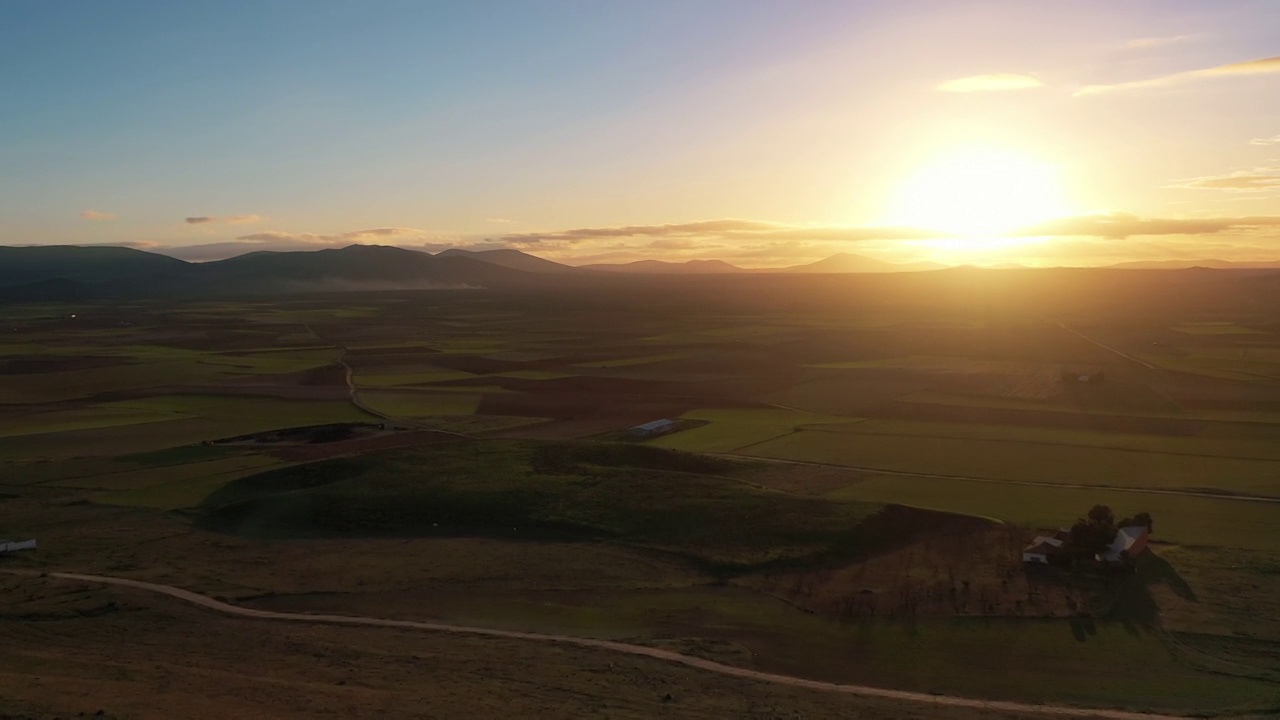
(1135, 607)
(1083, 628)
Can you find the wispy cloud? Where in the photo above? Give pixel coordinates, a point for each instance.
(1117, 226)
(352, 237)
(752, 242)
(229, 220)
(991, 83)
(1242, 181)
(1146, 43)
(726, 229)
(500, 221)
(1262, 66)
(1273, 140)
(97, 215)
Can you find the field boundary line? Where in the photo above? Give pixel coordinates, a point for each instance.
(1106, 347)
(998, 481)
(1049, 443)
(614, 646)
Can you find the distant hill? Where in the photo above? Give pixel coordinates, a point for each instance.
(1183, 264)
(81, 264)
(513, 259)
(850, 263)
(356, 267)
(658, 267)
(83, 273)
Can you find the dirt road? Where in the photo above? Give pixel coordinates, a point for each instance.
(619, 647)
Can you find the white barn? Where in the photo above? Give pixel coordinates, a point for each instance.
(7, 546)
(649, 429)
(1129, 543)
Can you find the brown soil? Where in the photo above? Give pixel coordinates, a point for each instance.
(382, 441)
(957, 569)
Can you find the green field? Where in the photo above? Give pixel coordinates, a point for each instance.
(635, 495)
(1025, 460)
(421, 403)
(369, 379)
(732, 429)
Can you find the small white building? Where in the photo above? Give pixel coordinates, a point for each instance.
(1130, 542)
(1041, 549)
(649, 429)
(7, 546)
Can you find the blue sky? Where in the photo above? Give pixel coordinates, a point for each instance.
(311, 122)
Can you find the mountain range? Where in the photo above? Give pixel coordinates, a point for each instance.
(64, 272)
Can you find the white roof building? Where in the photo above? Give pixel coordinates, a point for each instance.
(1130, 541)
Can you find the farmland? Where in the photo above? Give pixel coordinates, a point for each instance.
(832, 443)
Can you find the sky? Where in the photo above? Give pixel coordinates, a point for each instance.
(759, 132)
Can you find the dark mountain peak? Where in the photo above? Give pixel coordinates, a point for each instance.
(82, 263)
(508, 258)
(663, 266)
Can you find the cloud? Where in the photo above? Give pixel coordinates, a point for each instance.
(1262, 66)
(1273, 140)
(725, 230)
(1155, 42)
(992, 82)
(230, 220)
(1117, 226)
(346, 238)
(97, 215)
(1243, 181)
(500, 221)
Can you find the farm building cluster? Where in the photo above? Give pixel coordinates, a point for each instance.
(1098, 538)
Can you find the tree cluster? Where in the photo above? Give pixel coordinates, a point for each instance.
(1093, 534)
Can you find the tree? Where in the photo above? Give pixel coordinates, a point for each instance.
(1141, 519)
(1102, 515)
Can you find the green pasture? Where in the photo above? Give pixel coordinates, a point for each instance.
(627, 362)
(1263, 443)
(1215, 328)
(173, 495)
(728, 430)
(421, 403)
(1021, 460)
(1221, 368)
(423, 377)
(194, 418)
(534, 375)
(127, 476)
(85, 418)
(629, 494)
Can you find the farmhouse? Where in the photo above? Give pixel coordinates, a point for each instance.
(1130, 542)
(1041, 549)
(1044, 547)
(649, 429)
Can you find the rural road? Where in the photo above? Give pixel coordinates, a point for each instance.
(619, 647)
(998, 481)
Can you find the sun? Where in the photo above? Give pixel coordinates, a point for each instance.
(978, 193)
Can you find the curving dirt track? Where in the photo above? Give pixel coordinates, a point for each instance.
(629, 649)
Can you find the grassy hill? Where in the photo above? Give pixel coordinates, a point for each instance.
(26, 265)
(638, 496)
